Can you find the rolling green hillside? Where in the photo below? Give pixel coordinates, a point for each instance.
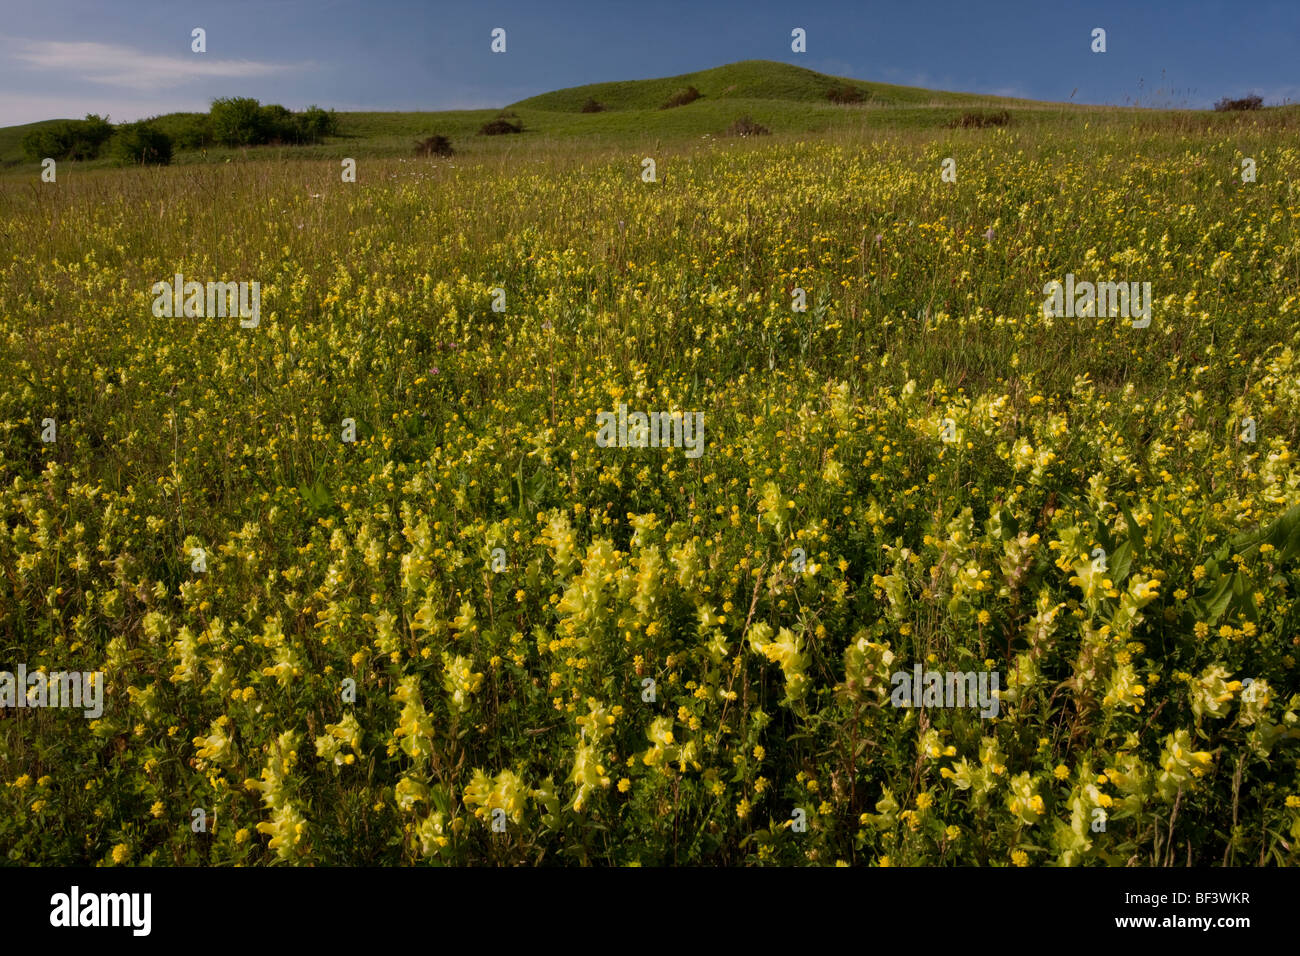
(788, 100)
(747, 80)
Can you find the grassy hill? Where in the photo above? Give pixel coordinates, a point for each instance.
(789, 100)
(747, 80)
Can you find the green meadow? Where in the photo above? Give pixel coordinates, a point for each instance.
(360, 583)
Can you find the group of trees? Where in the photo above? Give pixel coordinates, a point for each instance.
(243, 121)
(69, 139)
(233, 121)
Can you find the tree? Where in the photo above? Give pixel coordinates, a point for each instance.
(68, 139)
(237, 121)
(194, 132)
(314, 124)
(142, 144)
(276, 125)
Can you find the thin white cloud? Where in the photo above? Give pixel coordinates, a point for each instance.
(122, 66)
(19, 108)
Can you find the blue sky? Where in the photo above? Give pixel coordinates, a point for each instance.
(131, 58)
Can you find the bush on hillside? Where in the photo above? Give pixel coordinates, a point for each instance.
(237, 121)
(845, 94)
(681, 98)
(499, 126)
(436, 145)
(243, 121)
(193, 132)
(980, 120)
(747, 127)
(1251, 102)
(142, 144)
(314, 124)
(591, 106)
(276, 126)
(70, 139)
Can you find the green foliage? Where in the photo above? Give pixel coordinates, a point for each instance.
(745, 126)
(436, 145)
(681, 97)
(194, 132)
(142, 144)
(315, 124)
(68, 139)
(845, 93)
(500, 126)
(242, 121)
(238, 121)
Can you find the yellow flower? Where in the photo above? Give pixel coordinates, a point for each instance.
(624, 785)
(121, 853)
(1061, 772)
(1020, 858)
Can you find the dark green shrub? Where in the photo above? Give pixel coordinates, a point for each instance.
(500, 126)
(1252, 102)
(69, 139)
(437, 145)
(314, 124)
(747, 127)
(193, 132)
(237, 121)
(681, 98)
(845, 94)
(980, 120)
(142, 144)
(276, 126)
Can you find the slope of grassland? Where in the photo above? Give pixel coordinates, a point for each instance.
(783, 97)
(788, 100)
(746, 80)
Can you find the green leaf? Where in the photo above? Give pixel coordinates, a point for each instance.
(1216, 602)
(1134, 530)
(1118, 566)
(1157, 522)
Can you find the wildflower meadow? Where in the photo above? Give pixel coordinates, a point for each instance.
(660, 497)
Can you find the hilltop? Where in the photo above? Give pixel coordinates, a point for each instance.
(748, 80)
